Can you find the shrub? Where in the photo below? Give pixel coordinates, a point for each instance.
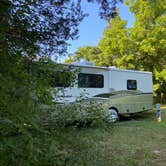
(79, 114)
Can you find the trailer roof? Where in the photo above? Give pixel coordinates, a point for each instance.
(132, 71)
(110, 68)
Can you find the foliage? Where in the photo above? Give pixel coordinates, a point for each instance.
(149, 36)
(114, 48)
(82, 113)
(88, 53)
(149, 32)
(160, 85)
(139, 140)
(30, 31)
(44, 145)
(115, 42)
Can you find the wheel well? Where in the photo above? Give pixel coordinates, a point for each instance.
(114, 109)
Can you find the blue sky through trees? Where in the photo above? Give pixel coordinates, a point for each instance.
(92, 27)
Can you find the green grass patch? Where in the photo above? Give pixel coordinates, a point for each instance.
(139, 140)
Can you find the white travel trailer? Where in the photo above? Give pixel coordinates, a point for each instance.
(129, 91)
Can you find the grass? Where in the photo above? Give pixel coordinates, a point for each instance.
(136, 141)
(140, 141)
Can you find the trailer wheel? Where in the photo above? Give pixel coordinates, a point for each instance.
(113, 115)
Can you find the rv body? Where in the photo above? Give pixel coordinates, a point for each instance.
(126, 91)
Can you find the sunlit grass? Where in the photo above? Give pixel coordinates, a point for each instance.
(138, 140)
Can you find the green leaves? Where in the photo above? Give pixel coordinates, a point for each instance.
(30, 32)
(114, 43)
(88, 53)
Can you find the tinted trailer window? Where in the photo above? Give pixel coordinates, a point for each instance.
(90, 80)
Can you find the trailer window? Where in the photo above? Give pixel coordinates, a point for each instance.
(90, 80)
(131, 84)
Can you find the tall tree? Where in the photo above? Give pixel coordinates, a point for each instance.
(114, 48)
(116, 45)
(115, 42)
(87, 53)
(149, 36)
(148, 32)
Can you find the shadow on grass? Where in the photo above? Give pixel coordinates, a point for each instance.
(142, 116)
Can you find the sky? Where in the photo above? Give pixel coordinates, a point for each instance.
(92, 27)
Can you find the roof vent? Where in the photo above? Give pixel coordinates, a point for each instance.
(112, 67)
(84, 63)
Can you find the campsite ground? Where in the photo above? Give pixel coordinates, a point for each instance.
(136, 141)
(139, 140)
